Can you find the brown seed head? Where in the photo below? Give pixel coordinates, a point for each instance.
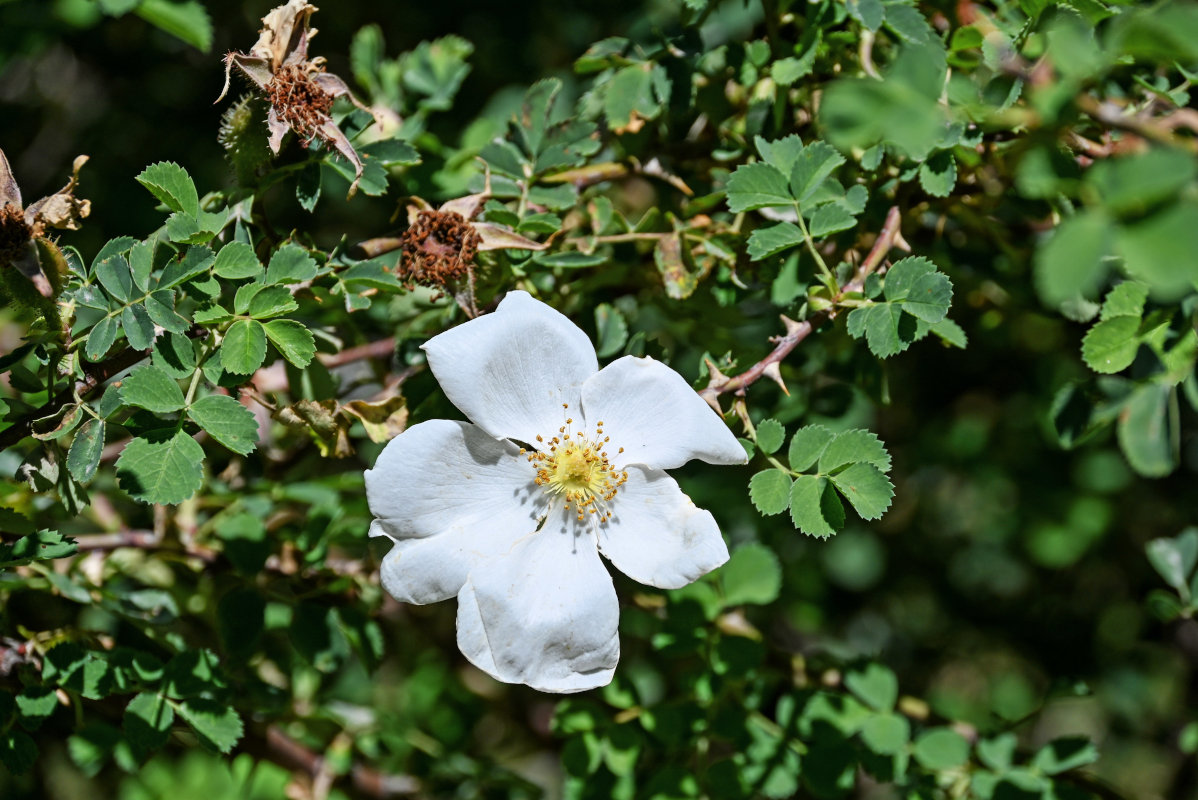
(14, 233)
(438, 249)
(299, 101)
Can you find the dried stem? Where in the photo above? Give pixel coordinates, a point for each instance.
(798, 331)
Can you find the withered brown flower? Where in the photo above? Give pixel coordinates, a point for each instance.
(299, 90)
(23, 240)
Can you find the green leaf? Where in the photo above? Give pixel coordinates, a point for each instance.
(116, 277)
(147, 723)
(227, 421)
(571, 260)
(1175, 559)
(40, 546)
(1064, 754)
(244, 347)
(938, 175)
(139, 328)
(923, 291)
(290, 264)
(869, 13)
(1159, 249)
(160, 306)
(1111, 345)
(1072, 262)
(195, 262)
(829, 219)
(1133, 184)
(941, 749)
(950, 333)
(161, 467)
(611, 328)
(1144, 432)
(171, 184)
(753, 575)
(875, 684)
(151, 388)
(765, 242)
(886, 734)
(630, 95)
(770, 435)
(854, 447)
(757, 185)
(271, 302)
(175, 355)
(218, 726)
(1125, 300)
(770, 491)
(866, 489)
(187, 20)
(236, 260)
(84, 455)
(887, 330)
(807, 445)
(102, 335)
(36, 704)
(812, 167)
(814, 507)
(18, 752)
(293, 340)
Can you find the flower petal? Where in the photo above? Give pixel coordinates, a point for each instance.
(658, 536)
(451, 496)
(649, 410)
(545, 614)
(510, 371)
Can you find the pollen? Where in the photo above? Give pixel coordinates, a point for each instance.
(575, 468)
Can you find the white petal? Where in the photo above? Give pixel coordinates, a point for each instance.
(658, 536)
(511, 370)
(649, 410)
(545, 614)
(451, 496)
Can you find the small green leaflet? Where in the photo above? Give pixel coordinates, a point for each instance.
(765, 242)
(217, 725)
(770, 435)
(171, 184)
(770, 491)
(41, 546)
(292, 340)
(814, 507)
(290, 264)
(151, 388)
(757, 185)
(147, 723)
(753, 574)
(84, 455)
(237, 260)
(244, 347)
(916, 297)
(161, 467)
(807, 445)
(227, 421)
(272, 301)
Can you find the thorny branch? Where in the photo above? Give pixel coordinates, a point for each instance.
(796, 332)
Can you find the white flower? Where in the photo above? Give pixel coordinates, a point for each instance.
(564, 461)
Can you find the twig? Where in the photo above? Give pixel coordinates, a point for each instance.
(283, 750)
(798, 331)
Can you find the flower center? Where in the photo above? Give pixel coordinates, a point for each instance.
(438, 248)
(576, 468)
(299, 101)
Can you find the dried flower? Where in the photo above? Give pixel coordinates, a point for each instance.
(299, 90)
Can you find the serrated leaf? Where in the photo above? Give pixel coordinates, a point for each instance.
(807, 445)
(757, 185)
(227, 421)
(39, 546)
(770, 435)
(218, 726)
(611, 328)
(160, 306)
(813, 166)
(950, 333)
(35, 704)
(857, 446)
(161, 467)
(753, 575)
(829, 219)
(866, 488)
(150, 388)
(765, 242)
(875, 684)
(196, 261)
(1125, 300)
(141, 264)
(814, 507)
(290, 264)
(271, 302)
(173, 187)
(244, 347)
(139, 328)
(938, 175)
(1072, 262)
(116, 278)
(923, 291)
(84, 456)
(187, 20)
(770, 491)
(887, 330)
(1111, 345)
(294, 341)
(102, 335)
(237, 260)
(147, 723)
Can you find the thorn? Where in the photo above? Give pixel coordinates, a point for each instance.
(716, 378)
(792, 327)
(773, 371)
(712, 399)
(901, 243)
